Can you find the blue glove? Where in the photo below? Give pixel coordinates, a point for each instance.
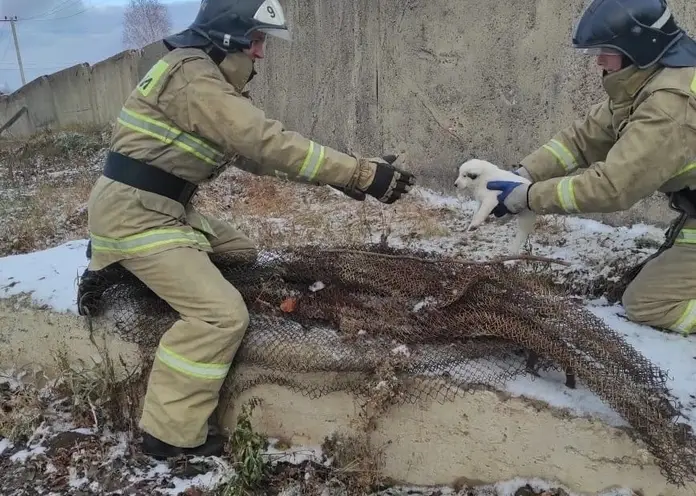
(500, 210)
(512, 199)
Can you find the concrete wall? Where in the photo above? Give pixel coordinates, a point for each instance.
(438, 80)
(78, 95)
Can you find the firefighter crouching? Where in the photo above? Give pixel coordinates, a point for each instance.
(640, 140)
(178, 128)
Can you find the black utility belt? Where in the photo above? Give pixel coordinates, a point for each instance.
(141, 175)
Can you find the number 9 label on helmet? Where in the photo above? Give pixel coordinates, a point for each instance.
(271, 18)
(270, 12)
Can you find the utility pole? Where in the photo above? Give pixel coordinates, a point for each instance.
(12, 20)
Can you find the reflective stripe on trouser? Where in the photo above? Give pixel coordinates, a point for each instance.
(195, 354)
(152, 239)
(663, 294)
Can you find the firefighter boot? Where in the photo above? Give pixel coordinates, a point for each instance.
(151, 446)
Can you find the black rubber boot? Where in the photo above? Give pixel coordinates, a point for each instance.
(151, 446)
(88, 291)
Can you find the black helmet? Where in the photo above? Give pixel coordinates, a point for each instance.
(227, 24)
(643, 30)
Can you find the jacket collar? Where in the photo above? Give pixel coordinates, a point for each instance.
(624, 85)
(238, 69)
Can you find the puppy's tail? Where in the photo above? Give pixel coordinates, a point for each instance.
(525, 225)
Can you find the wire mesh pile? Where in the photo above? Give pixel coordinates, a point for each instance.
(445, 326)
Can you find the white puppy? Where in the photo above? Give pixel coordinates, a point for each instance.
(474, 174)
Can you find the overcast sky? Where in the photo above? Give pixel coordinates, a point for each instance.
(55, 34)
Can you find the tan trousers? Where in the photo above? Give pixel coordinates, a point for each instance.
(194, 355)
(664, 292)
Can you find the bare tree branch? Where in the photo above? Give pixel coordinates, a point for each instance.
(145, 22)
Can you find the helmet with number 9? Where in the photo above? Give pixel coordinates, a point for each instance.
(228, 24)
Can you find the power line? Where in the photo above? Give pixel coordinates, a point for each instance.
(56, 18)
(66, 4)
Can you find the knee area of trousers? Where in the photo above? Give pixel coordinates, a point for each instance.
(235, 316)
(236, 257)
(629, 300)
(639, 305)
(636, 309)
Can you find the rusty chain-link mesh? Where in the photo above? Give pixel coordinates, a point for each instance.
(445, 326)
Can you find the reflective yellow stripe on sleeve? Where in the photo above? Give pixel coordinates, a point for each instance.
(313, 161)
(191, 368)
(566, 195)
(562, 154)
(154, 238)
(693, 83)
(685, 169)
(686, 237)
(687, 321)
(170, 135)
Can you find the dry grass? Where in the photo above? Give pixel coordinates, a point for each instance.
(67, 143)
(45, 181)
(47, 216)
(96, 394)
(21, 411)
(356, 464)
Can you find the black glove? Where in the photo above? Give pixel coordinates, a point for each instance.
(354, 194)
(499, 211)
(389, 182)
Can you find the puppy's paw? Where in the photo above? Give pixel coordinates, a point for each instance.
(472, 227)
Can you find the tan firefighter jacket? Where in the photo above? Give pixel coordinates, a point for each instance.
(640, 140)
(188, 116)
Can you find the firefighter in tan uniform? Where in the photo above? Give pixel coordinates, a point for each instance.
(640, 140)
(182, 125)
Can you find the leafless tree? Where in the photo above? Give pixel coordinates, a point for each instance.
(145, 22)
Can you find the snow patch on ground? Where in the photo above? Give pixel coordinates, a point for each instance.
(209, 480)
(25, 454)
(438, 200)
(5, 445)
(49, 275)
(294, 455)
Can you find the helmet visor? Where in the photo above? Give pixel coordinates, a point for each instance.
(599, 51)
(278, 33)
